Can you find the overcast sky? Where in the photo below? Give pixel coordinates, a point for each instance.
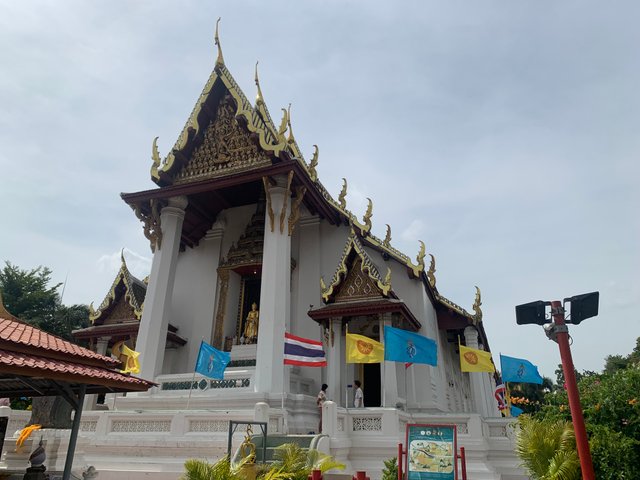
(503, 134)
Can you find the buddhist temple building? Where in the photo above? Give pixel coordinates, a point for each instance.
(247, 245)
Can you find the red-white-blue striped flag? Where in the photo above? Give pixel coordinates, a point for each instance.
(304, 352)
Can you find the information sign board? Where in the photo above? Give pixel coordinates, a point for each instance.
(431, 452)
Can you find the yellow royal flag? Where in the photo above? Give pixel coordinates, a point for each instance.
(361, 349)
(132, 365)
(474, 360)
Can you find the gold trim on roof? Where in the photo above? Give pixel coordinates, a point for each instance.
(313, 174)
(367, 267)
(477, 311)
(342, 198)
(387, 238)
(431, 274)
(124, 276)
(216, 40)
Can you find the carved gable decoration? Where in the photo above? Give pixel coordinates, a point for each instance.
(356, 277)
(120, 312)
(226, 148)
(357, 285)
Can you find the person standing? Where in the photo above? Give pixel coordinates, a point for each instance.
(358, 398)
(322, 397)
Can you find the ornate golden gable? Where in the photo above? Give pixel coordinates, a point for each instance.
(356, 276)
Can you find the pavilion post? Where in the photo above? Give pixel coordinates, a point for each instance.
(73, 438)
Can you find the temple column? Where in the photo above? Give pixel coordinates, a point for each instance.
(202, 290)
(275, 289)
(335, 390)
(152, 335)
(476, 378)
(389, 373)
(90, 401)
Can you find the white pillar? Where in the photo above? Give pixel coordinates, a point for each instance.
(389, 375)
(152, 335)
(336, 389)
(275, 293)
(90, 401)
(203, 290)
(476, 380)
(330, 418)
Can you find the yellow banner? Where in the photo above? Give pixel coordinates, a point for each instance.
(474, 360)
(361, 349)
(133, 364)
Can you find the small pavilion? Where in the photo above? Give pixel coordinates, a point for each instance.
(35, 363)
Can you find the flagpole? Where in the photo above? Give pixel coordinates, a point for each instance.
(191, 389)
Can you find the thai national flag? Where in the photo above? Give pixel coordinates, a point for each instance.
(304, 352)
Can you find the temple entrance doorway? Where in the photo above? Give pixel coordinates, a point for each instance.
(249, 294)
(371, 385)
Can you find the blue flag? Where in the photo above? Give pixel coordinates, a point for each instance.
(408, 347)
(515, 411)
(519, 370)
(211, 361)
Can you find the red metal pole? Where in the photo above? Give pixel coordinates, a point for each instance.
(315, 475)
(562, 337)
(399, 461)
(463, 463)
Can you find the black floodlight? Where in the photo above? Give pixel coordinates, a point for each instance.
(533, 312)
(583, 306)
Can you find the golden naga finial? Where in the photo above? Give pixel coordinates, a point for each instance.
(92, 313)
(342, 198)
(122, 257)
(367, 216)
(323, 286)
(155, 156)
(421, 254)
(476, 306)
(259, 97)
(387, 277)
(314, 163)
(431, 274)
(290, 139)
(283, 125)
(387, 238)
(220, 59)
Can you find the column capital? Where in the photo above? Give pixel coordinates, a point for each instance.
(176, 206)
(471, 336)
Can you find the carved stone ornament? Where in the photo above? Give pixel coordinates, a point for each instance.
(285, 201)
(151, 222)
(267, 191)
(226, 148)
(294, 216)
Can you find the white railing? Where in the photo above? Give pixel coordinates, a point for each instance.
(235, 380)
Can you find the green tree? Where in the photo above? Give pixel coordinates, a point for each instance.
(390, 470)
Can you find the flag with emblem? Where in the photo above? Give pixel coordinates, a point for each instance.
(519, 370)
(409, 347)
(361, 349)
(474, 360)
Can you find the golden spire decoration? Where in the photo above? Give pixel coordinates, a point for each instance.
(259, 97)
(421, 254)
(290, 138)
(342, 198)
(387, 238)
(387, 278)
(431, 274)
(476, 306)
(323, 286)
(314, 163)
(122, 257)
(367, 215)
(220, 59)
(155, 156)
(283, 125)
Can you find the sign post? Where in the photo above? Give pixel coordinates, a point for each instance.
(432, 452)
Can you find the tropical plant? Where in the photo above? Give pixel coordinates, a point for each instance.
(547, 449)
(202, 470)
(390, 470)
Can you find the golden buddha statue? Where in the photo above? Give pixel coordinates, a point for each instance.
(251, 325)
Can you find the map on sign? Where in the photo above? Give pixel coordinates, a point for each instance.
(431, 452)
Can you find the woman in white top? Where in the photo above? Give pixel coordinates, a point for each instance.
(322, 397)
(358, 398)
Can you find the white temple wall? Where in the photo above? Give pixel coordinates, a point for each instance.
(331, 248)
(237, 219)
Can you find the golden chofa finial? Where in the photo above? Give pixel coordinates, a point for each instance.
(431, 274)
(259, 97)
(290, 138)
(323, 286)
(220, 59)
(342, 198)
(155, 156)
(387, 238)
(314, 163)
(421, 254)
(476, 306)
(283, 125)
(122, 257)
(367, 215)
